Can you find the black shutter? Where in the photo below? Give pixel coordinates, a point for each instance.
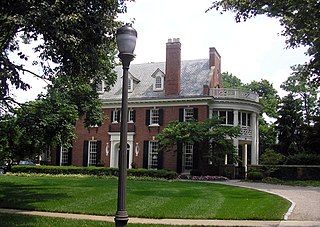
(118, 115)
(147, 117)
(145, 154)
(111, 118)
(195, 156)
(134, 115)
(160, 116)
(160, 160)
(195, 113)
(98, 152)
(179, 158)
(58, 153)
(85, 152)
(181, 114)
(69, 156)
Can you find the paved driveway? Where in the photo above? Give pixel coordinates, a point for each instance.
(306, 199)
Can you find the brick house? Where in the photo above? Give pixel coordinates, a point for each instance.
(160, 92)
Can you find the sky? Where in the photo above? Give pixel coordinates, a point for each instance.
(251, 50)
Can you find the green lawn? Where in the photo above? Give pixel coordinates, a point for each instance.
(150, 199)
(14, 220)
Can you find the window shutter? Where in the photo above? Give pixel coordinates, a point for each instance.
(179, 158)
(98, 152)
(85, 152)
(134, 115)
(181, 114)
(147, 117)
(160, 160)
(195, 160)
(69, 156)
(58, 153)
(118, 116)
(195, 113)
(160, 116)
(112, 117)
(145, 154)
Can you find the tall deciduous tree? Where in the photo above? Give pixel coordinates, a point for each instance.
(77, 37)
(300, 19)
(230, 81)
(289, 125)
(300, 86)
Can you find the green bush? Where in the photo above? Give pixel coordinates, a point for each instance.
(255, 175)
(303, 159)
(97, 171)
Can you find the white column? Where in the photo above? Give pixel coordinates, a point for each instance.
(254, 150)
(245, 159)
(235, 117)
(257, 145)
(236, 144)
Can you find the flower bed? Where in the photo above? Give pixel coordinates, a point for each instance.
(202, 178)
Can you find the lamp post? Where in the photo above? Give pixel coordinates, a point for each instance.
(126, 41)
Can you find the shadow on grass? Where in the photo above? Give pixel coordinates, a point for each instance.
(17, 196)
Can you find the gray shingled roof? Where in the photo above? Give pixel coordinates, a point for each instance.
(194, 74)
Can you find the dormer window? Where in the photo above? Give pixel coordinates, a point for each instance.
(158, 83)
(130, 85)
(99, 86)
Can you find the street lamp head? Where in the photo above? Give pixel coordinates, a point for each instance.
(126, 39)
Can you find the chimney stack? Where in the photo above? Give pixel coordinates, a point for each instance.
(173, 67)
(215, 66)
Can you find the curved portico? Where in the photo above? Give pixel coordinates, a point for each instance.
(239, 108)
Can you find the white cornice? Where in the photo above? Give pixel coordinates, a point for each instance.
(182, 101)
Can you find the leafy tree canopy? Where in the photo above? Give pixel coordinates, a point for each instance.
(74, 39)
(210, 134)
(300, 19)
(230, 81)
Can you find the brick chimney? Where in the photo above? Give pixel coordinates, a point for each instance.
(173, 67)
(215, 66)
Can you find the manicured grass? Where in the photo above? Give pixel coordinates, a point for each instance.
(11, 220)
(150, 199)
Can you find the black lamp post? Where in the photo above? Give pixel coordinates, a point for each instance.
(126, 41)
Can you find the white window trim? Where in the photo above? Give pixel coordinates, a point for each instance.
(115, 112)
(89, 143)
(62, 151)
(185, 145)
(155, 88)
(185, 113)
(151, 114)
(226, 118)
(102, 87)
(150, 155)
(130, 84)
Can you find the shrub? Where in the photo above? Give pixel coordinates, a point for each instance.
(97, 171)
(303, 159)
(255, 175)
(270, 157)
(195, 172)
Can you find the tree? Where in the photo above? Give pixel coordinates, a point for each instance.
(230, 81)
(300, 19)
(299, 85)
(210, 135)
(77, 37)
(289, 125)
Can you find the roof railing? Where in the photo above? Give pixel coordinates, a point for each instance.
(234, 93)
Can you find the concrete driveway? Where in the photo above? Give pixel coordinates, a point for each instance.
(306, 200)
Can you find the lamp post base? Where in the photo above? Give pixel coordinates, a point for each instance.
(121, 218)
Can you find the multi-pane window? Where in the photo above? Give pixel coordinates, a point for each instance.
(158, 84)
(154, 117)
(244, 119)
(226, 116)
(116, 116)
(187, 157)
(153, 155)
(92, 153)
(64, 157)
(99, 86)
(131, 116)
(188, 114)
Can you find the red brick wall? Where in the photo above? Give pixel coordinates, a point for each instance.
(215, 60)
(142, 133)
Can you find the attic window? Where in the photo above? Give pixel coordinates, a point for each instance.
(158, 85)
(99, 86)
(130, 85)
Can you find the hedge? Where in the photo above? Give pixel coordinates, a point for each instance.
(288, 172)
(96, 171)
